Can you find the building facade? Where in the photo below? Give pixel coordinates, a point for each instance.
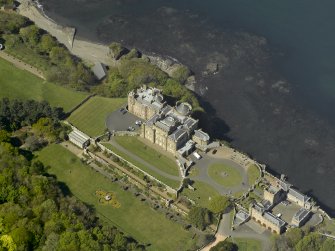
(267, 219)
(166, 126)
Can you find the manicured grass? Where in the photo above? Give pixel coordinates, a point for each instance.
(225, 175)
(148, 154)
(133, 217)
(167, 181)
(253, 174)
(20, 84)
(91, 116)
(202, 194)
(245, 244)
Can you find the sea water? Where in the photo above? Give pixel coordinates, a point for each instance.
(280, 112)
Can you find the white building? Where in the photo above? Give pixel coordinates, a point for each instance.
(79, 138)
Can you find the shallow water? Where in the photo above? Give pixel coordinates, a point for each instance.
(272, 99)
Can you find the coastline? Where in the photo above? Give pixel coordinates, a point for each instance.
(90, 52)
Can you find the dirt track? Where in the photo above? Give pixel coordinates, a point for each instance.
(21, 65)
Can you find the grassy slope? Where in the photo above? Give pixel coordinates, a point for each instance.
(245, 244)
(253, 174)
(233, 176)
(20, 84)
(133, 217)
(91, 117)
(148, 154)
(172, 183)
(202, 193)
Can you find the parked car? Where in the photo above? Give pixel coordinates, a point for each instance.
(138, 122)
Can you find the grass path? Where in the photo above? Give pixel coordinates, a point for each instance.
(16, 83)
(133, 217)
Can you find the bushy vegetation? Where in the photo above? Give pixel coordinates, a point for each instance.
(36, 215)
(219, 204)
(32, 45)
(200, 217)
(134, 72)
(224, 246)
(303, 240)
(15, 114)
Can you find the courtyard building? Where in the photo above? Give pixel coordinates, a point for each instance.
(266, 219)
(299, 198)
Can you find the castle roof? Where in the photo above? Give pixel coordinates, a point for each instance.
(201, 135)
(296, 194)
(274, 219)
(301, 214)
(183, 108)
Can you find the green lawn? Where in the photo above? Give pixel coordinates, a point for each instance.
(225, 175)
(20, 84)
(133, 217)
(91, 117)
(253, 174)
(202, 194)
(167, 181)
(148, 154)
(245, 244)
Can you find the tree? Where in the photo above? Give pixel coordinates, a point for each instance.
(218, 204)
(117, 50)
(310, 242)
(328, 244)
(181, 73)
(293, 236)
(30, 35)
(200, 217)
(4, 136)
(47, 43)
(224, 246)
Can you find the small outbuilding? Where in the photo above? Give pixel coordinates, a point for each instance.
(100, 71)
(79, 139)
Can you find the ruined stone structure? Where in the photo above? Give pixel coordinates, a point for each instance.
(168, 127)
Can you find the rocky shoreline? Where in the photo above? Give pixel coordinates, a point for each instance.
(90, 52)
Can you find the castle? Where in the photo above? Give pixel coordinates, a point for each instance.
(171, 128)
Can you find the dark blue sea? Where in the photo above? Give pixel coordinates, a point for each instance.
(274, 95)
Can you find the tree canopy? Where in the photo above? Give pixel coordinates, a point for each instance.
(218, 204)
(200, 217)
(36, 215)
(224, 246)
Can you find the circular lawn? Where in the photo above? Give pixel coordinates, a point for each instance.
(225, 175)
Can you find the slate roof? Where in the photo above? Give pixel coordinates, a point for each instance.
(274, 219)
(298, 195)
(301, 214)
(177, 134)
(99, 71)
(202, 135)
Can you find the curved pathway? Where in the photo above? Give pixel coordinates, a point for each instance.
(224, 232)
(206, 161)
